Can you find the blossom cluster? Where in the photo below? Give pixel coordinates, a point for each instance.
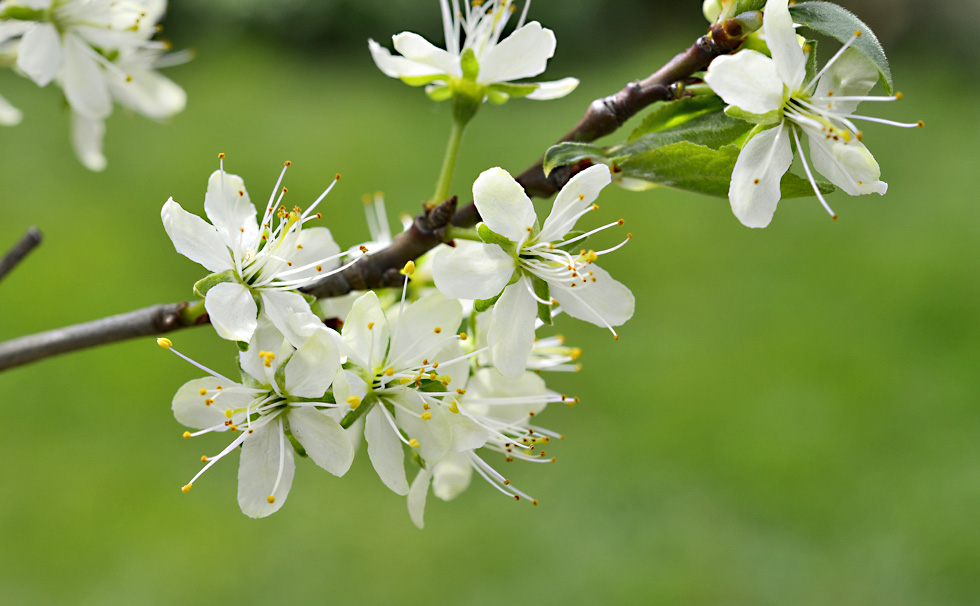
(439, 378)
(98, 52)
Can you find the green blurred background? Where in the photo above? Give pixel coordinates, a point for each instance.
(790, 418)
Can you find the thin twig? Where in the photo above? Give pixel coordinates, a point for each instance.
(380, 268)
(153, 320)
(15, 255)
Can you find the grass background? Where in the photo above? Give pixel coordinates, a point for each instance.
(790, 417)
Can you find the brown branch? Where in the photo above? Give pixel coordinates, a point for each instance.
(149, 321)
(15, 255)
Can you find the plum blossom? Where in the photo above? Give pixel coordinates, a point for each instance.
(282, 388)
(257, 266)
(478, 58)
(518, 257)
(776, 94)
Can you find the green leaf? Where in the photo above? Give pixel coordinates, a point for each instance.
(743, 6)
(439, 92)
(482, 305)
(772, 117)
(491, 237)
(202, 286)
(811, 59)
(712, 130)
(544, 293)
(23, 13)
(570, 152)
(666, 115)
(837, 22)
(700, 169)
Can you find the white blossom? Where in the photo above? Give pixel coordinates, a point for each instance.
(775, 93)
(525, 253)
(476, 51)
(255, 264)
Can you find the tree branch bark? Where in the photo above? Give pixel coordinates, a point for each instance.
(15, 255)
(380, 269)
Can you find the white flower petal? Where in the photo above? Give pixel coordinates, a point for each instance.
(523, 54)
(83, 81)
(852, 75)
(467, 433)
(847, 164)
(511, 332)
(472, 271)
(86, 138)
(323, 439)
(748, 80)
(232, 311)
(416, 497)
(399, 67)
(451, 476)
(190, 408)
(39, 54)
(262, 452)
(783, 44)
(9, 115)
(754, 192)
(317, 245)
(435, 436)
(487, 383)
(148, 93)
(553, 90)
(291, 314)
(265, 338)
(366, 332)
(385, 451)
(580, 192)
(416, 48)
(503, 205)
(604, 302)
(230, 209)
(313, 366)
(422, 330)
(194, 238)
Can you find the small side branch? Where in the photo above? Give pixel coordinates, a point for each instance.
(15, 255)
(149, 321)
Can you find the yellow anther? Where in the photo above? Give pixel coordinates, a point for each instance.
(165, 343)
(405, 380)
(534, 502)
(270, 499)
(187, 434)
(846, 136)
(204, 458)
(426, 416)
(409, 269)
(209, 402)
(435, 365)
(454, 407)
(460, 391)
(462, 336)
(575, 353)
(581, 196)
(287, 163)
(228, 413)
(370, 325)
(186, 487)
(437, 330)
(413, 443)
(221, 156)
(363, 248)
(389, 372)
(319, 268)
(857, 33)
(203, 392)
(425, 406)
(354, 402)
(898, 96)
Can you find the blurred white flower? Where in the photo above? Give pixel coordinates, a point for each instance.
(518, 256)
(476, 61)
(282, 389)
(777, 92)
(254, 263)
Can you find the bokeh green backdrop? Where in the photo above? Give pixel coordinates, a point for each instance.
(791, 417)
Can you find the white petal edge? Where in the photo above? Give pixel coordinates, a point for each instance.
(603, 302)
(83, 81)
(754, 192)
(553, 90)
(86, 138)
(39, 54)
(452, 476)
(748, 80)
(511, 332)
(313, 366)
(259, 467)
(291, 314)
(523, 54)
(232, 311)
(367, 346)
(783, 44)
(847, 164)
(9, 115)
(398, 67)
(416, 497)
(232, 213)
(195, 238)
(419, 50)
(580, 192)
(503, 205)
(472, 271)
(323, 439)
(385, 451)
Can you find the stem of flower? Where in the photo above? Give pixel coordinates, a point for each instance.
(357, 413)
(454, 232)
(15, 255)
(448, 163)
